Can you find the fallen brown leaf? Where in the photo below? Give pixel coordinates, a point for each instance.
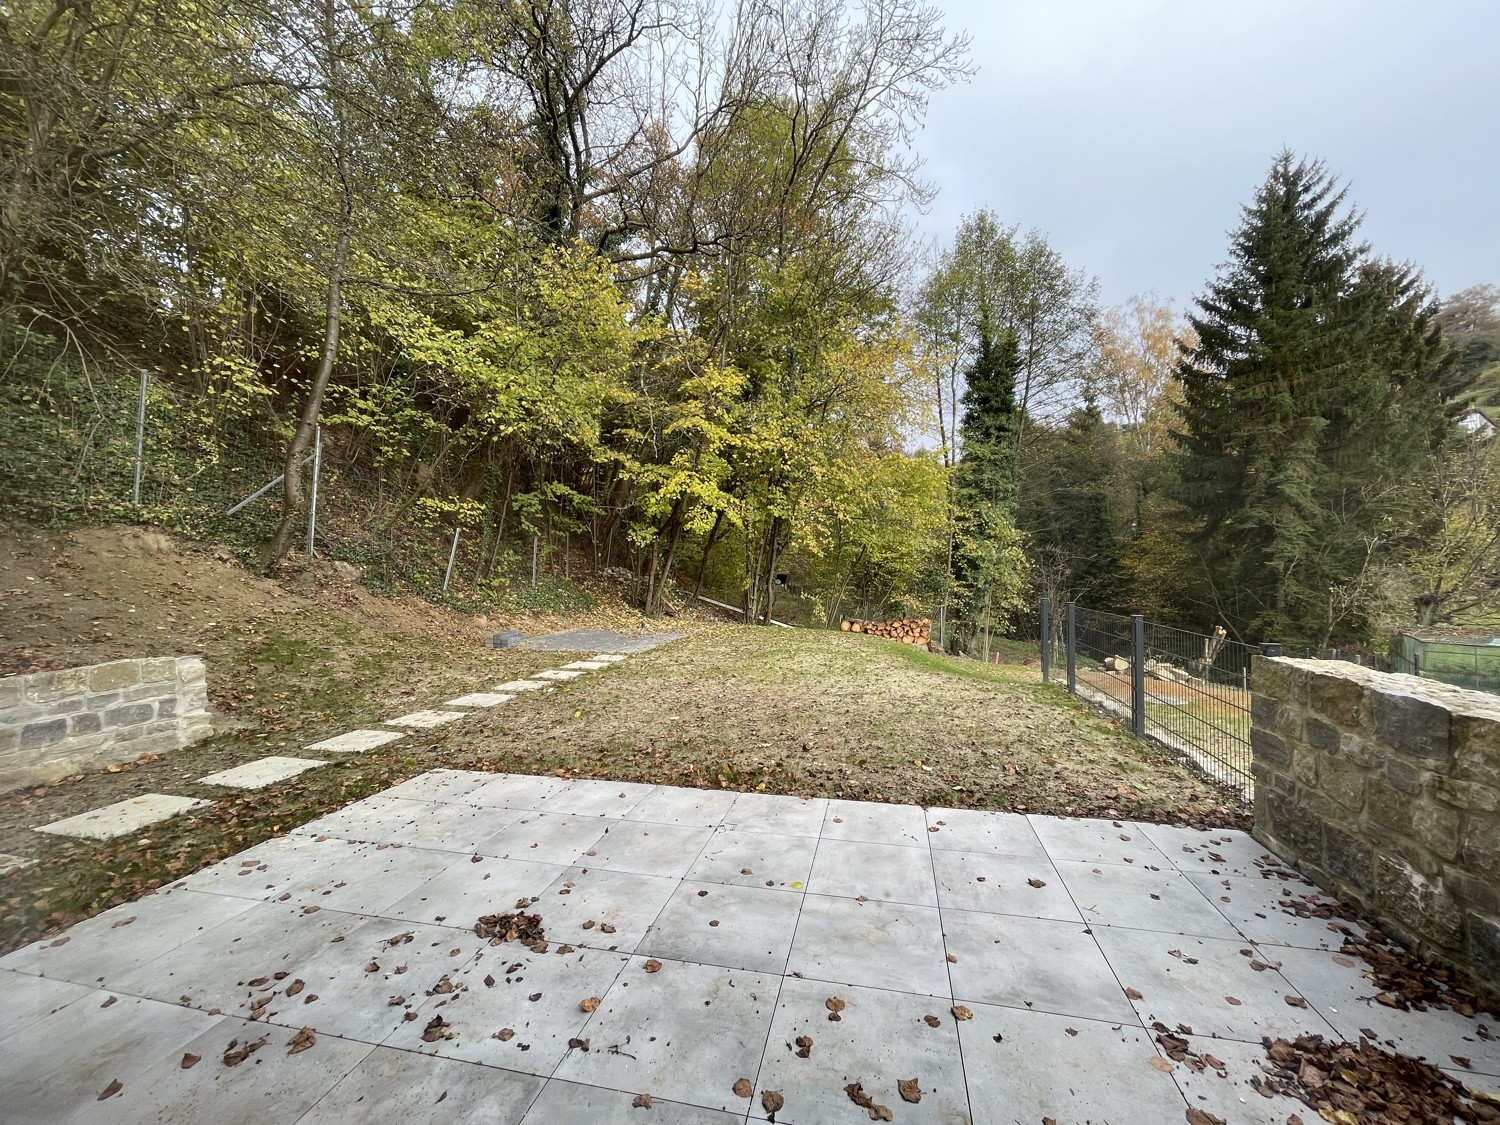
(189, 1061)
(589, 1004)
(301, 1041)
(804, 1046)
(642, 1101)
(771, 1100)
(742, 1088)
(932, 1021)
(909, 1089)
(653, 966)
(111, 1090)
(961, 1013)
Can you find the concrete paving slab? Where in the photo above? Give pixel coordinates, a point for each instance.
(1346, 999)
(1253, 906)
(687, 1033)
(1163, 900)
(889, 872)
(14, 864)
(440, 825)
(600, 641)
(424, 720)
(65, 1061)
(354, 742)
(409, 1087)
(1230, 1096)
(271, 1086)
(621, 899)
(467, 890)
(513, 687)
(1002, 885)
(704, 808)
(734, 927)
(881, 1037)
(1034, 963)
(269, 868)
(261, 772)
(213, 969)
(587, 665)
(877, 944)
(966, 830)
(122, 817)
(556, 838)
(455, 786)
(875, 824)
(516, 791)
(573, 1103)
(475, 1011)
(367, 878)
(1097, 841)
(1209, 852)
(610, 657)
(649, 849)
(755, 859)
(1027, 1066)
(1205, 983)
(106, 947)
(766, 812)
(29, 998)
(480, 699)
(597, 798)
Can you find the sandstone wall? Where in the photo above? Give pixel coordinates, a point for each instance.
(53, 724)
(1386, 789)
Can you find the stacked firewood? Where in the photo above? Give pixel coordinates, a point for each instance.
(907, 631)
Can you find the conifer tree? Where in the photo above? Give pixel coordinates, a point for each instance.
(1317, 382)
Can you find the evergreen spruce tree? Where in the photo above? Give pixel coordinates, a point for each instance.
(987, 556)
(1317, 382)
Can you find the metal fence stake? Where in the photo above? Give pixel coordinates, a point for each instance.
(1138, 674)
(1072, 634)
(312, 507)
(140, 439)
(452, 554)
(536, 550)
(1046, 640)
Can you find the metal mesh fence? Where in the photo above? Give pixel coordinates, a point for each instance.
(1468, 666)
(1188, 691)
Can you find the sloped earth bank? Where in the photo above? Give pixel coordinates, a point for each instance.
(780, 711)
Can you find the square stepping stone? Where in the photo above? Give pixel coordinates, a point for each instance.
(587, 665)
(260, 773)
(122, 817)
(522, 685)
(557, 674)
(354, 741)
(424, 720)
(610, 657)
(14, 864)
(479, 699)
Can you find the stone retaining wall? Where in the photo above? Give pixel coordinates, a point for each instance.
(1386, 789)
(53, 724)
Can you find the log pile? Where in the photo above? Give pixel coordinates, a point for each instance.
(907, 631)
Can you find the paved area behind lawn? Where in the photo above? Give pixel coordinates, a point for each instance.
(1013, 966)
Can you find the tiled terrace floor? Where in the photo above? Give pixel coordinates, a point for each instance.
(758, 909)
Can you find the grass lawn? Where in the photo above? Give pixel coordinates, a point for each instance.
(779, 711)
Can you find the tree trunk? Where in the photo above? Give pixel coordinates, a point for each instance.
(294, 496)
(713, 534)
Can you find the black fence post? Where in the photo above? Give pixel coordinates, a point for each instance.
(1272, 648)
(1416, 663)
(1138, 674)
(1072, 634)
(1046, 640)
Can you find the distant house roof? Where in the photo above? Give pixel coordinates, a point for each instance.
(1479, 420)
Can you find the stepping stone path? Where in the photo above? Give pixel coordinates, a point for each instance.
(127, 816)
(122, 817)
(355, 741)
(425, 720)
(260, 773)
(479, 699)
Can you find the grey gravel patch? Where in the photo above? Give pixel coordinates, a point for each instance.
(600, 640)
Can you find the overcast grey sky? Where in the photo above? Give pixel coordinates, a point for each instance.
(1131, 131)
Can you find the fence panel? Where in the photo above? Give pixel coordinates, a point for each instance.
(1187, 690)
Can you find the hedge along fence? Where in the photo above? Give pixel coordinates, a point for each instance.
(1386, 789)
(53, 724)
